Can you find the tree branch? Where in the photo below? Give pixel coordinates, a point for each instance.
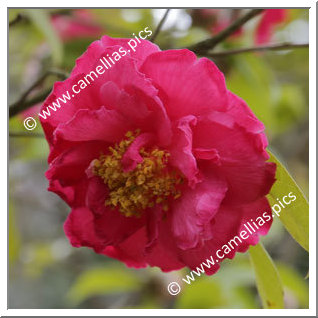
(163, 19)
(23, 104)
(271, 47)
(209, 44)
(25, 134)
(17, 19)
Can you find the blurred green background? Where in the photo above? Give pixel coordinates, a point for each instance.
(45, 271)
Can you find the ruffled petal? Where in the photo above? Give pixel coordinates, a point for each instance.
(228, 223)
(102, 124)
(66, 193)
(192, 213)
(107, 45)
(181, 155)
(111, 226)
(132, 156)
(143, 110)
(242, 157)
(55, 111)
(187, 86)
(80, 229)
(82, 89)
(243, 115)
(69, 167)
(142, 49)
(133, 253)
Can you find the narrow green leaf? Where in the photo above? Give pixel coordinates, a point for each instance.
(204, 294)
(102, 281)
(268, 282)
(295, 283)
(14, 235)
(295, 216)
(41, 20)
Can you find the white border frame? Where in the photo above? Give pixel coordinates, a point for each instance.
(312, 166)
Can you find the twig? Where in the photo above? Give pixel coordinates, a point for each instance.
(58, 73)
(16, 108)
(209, 44)
(22, 104)
(25, 134)
(163, 19)
(271, 47)
(17, 19)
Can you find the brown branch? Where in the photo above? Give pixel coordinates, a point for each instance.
(23, 104)
(271, 47)
(17, 108)
(17, 19)
(209, 44)
(163, 19)
(25, 134)
(39, 81)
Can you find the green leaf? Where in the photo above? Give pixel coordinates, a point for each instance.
(41, 20)
(14, 235)
(40, 258)
(295, 217)
(100, 281)
(268, 281)
(295, 283)
(289, 107)
(203, 294)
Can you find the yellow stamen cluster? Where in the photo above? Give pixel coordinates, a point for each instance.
(148, 184)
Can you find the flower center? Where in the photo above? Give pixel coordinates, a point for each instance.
(150, 182)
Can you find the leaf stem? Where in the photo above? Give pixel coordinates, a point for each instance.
(209, 44)
(17, 19)
(22, 103)
(25, 134)
(163, 19)
(271, 47)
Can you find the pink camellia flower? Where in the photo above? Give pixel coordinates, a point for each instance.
(79, 25)
(160, 163)
(270, 19)
(217, 20)
(223, 18)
